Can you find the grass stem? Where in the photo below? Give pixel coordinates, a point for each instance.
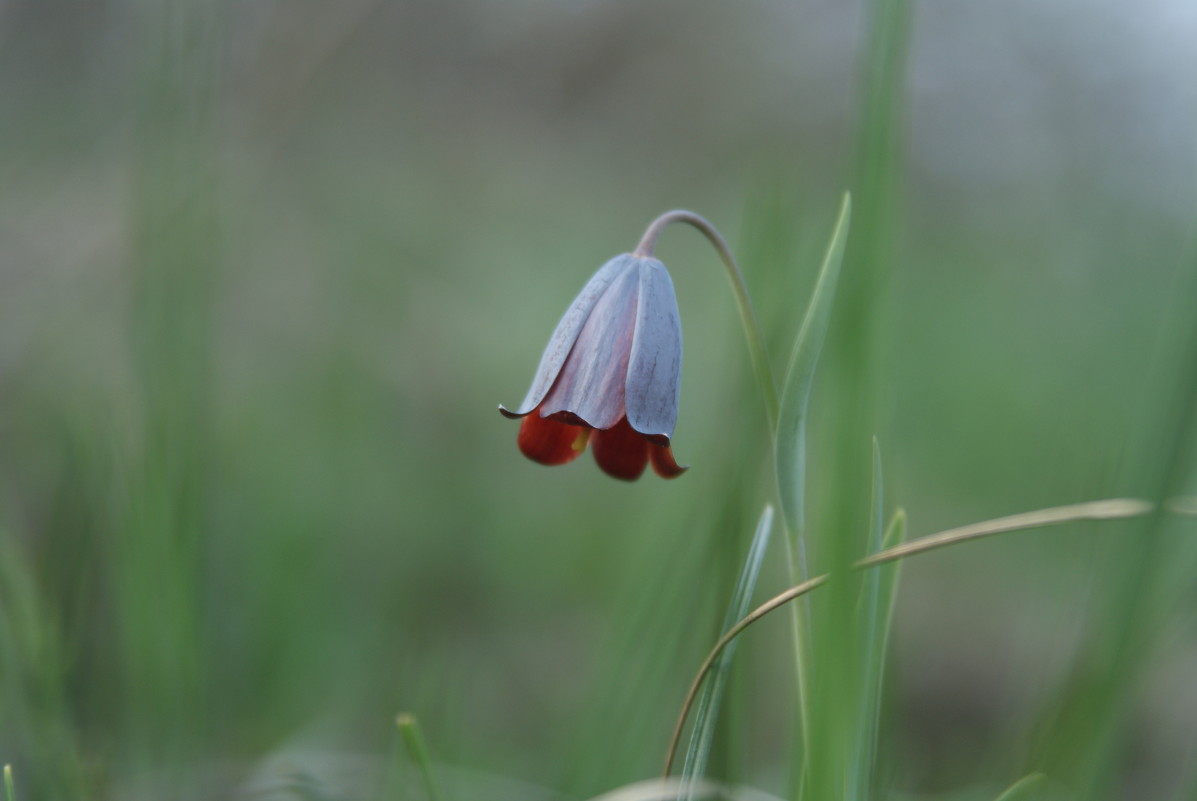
(1113, 509)
(409, 728)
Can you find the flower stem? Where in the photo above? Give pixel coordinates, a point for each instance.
(763, 371)
(752, 326)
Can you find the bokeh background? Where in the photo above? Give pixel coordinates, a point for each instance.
(267, 268)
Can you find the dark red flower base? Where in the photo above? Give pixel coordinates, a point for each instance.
(620, 451)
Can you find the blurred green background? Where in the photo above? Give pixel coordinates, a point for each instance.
(267, 268)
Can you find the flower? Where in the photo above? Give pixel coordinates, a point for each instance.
(610, 375)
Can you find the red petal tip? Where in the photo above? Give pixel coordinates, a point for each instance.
(620, 451)
(547, 441)
(663, 462)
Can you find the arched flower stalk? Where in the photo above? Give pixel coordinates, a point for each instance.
(610, 376)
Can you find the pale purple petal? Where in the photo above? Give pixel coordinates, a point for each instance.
(655, 366)
(590, 385)
(567, 331)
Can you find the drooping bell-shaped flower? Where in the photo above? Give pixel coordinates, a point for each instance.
(610, 375)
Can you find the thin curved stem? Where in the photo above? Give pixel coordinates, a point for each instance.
(753, 616)
(752, 326)
(1113, 509)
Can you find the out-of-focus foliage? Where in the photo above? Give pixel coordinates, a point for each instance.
(267, 268)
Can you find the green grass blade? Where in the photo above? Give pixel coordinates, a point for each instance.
(877, 645)
(707, 712)
(33, 670)
(870, 593)
(1115, 509)
(9, 793)
(790, 445)
(409, 728)
(1024, 789)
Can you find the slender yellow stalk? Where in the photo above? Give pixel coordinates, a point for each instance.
(1097, 510)
(745, 622)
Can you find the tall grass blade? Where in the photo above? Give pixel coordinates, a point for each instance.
(878, 589)
(660, 593)
(789, 444)
(9, 793)
(34, 701)
(870, 594)
(164, 469)
(1086, 726)
(855, 359)
(707, 712)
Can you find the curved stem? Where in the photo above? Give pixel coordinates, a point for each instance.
(753, 616)
(752, 326)
(1112, 509)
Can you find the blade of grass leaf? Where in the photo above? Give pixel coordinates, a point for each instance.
(165, 470)
(1115, 509)
(651, 608)
(9, 793)
(707, 713)
(856, 349)
(414, 740)
(1089, 719)
(874, 611)
(789, 443)
(887, 594)
(33, 660)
